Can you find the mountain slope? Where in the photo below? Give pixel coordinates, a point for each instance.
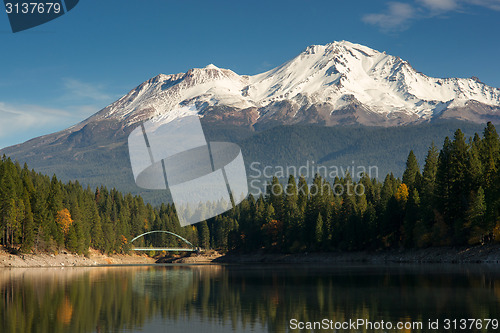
(329, 84)
(335, 84)
(103, 160)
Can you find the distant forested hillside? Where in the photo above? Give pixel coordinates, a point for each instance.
(99, 156)
(386, 148)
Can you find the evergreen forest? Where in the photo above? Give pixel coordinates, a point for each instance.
(452, 198)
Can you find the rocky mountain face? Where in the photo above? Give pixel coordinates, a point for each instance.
(337, 83)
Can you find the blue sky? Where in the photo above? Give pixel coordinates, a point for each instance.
(57, 74)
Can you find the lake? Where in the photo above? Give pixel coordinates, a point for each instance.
(251, 298)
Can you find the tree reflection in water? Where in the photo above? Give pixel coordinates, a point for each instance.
(110, 299)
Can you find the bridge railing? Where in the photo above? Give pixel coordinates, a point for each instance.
(192, 249)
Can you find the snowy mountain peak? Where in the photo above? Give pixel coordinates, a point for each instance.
(211, 66)
(332, 83)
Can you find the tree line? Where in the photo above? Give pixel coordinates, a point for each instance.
(41, 213)
(453, 200)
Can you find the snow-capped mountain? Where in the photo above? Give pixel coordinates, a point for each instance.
(338, 83)
(328, 84)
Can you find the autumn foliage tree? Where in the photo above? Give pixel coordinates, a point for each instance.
(402, 194)
(63, 220)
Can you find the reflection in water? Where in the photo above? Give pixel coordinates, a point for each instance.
(239, 298)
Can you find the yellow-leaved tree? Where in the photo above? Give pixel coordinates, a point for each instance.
(402, 193)
(63, 220)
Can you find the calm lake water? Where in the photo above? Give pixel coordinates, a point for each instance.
(243, 298)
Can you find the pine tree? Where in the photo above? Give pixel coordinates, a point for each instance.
(303, 190)
(490, 160)
(429, 173)
(204, 235)
(327, 228)
(389, 189)
(55, 197)
(318, 231)
(20, 216)
(10, 222)
(442, 191)
(370, 190)
(490, 154)
(291, 214)
(371, 225)
(476, 219)
(8, 213)
(96, 233)
(412, 173)
(460, 186)
(72, 239)
(274, 195)
(28, 226)
(340, 237)
(412, 215)
(291, 194)
(41, 220)
(476, 167)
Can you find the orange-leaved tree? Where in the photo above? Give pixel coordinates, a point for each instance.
(63, 220)
(402, 194)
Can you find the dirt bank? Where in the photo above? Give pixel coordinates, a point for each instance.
(67, 259)
(477, 254)
(200, 258)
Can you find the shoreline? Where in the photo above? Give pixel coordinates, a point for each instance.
(65, 259)
(487, 254)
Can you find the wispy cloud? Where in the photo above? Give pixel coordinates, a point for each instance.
(78, 90)
(77, 101)
(17, 118)
(399, 16)
(491, 4)
(439, 5)
(19, 123)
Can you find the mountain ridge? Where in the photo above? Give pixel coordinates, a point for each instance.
(325, 85)
(330, 84)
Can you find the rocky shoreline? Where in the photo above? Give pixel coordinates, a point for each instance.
(478, 254)
(489, 254)
(65, 259)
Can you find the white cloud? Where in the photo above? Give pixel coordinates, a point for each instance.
(397, 16)
(19, 123)
(439, 5)
(25, 116)
(79, 90)
(491, 4)
(78, 100)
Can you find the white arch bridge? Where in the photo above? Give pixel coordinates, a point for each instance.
(191, 249)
